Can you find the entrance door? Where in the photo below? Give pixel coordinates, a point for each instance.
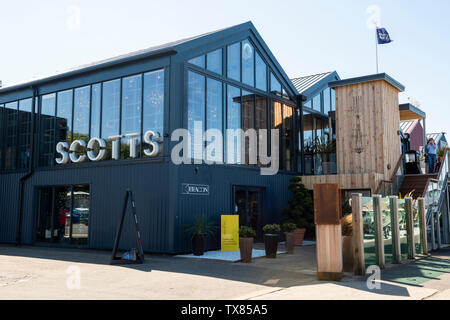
(247, 204)
(63, 215)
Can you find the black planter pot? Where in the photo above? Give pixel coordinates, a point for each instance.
(198, 244)
(271, 245)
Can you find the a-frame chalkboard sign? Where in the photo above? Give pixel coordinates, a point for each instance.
(140, 253)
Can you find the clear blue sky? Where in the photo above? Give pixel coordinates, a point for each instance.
(41, 37)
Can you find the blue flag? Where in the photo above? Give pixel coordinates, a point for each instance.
(383, 36)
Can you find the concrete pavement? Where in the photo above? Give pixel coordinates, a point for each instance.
(49, 273)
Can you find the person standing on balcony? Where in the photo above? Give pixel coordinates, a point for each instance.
(431, 152)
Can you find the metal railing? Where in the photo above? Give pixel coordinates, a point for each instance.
(434, 195)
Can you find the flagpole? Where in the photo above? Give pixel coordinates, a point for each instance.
(376, 47)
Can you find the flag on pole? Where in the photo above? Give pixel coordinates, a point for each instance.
(383, 36)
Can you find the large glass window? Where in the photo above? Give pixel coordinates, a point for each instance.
(248, 122)
(234, 62)
(11, 135)
(25, 117)
(317, 103)
(214, 101)
(288, 126)
(131, 111)
(110, 110)
(326, 100)
(198, 61)
(234, 123)
(333, 100)
(96, 109)
(261, 119)
(64, 116)
(308, 142)
(248, 63)
(196, 113)
(47, 129)
(81, 113)
(275, 86)
(214, 61)
(154, 102)
(261, 73)
(277, 123)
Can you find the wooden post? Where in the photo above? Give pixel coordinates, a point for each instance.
(396, 245)
(359, 267)
(423, 225)
(433, 234)
(379, 236)
(410, 228)
(328, 219)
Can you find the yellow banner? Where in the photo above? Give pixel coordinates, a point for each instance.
(230, 233)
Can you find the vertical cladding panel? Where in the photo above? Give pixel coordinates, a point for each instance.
(221, 181)
(9, 196)
(149, 183)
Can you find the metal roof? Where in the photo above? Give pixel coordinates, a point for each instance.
(304, 83)
(165, 49)
(408, 126)
(436, 136)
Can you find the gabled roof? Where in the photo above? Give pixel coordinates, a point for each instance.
(437, 137)
(308, 85)
(155, 51)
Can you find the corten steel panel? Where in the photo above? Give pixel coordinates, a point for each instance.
(327, 204)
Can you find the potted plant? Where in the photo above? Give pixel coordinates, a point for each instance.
(246, 236)
(271, 235)
(347, 242)
(289, 228)
(300, 210)
(199, 230)
(441, 154)
(325, 149)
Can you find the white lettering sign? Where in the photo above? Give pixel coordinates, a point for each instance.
(74, 152)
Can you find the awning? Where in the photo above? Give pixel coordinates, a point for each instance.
(410, 112)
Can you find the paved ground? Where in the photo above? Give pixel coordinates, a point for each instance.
(44, 273)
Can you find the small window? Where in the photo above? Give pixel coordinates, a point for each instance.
(199, 61)
(333, 100)
(214, 61)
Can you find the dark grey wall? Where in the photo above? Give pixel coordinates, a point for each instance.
(219, 202)
(149, 183)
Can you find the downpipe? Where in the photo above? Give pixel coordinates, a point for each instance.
(30, 172)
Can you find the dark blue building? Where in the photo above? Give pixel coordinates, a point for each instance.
(225, 79)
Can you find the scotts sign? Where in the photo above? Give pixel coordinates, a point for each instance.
(72, 153)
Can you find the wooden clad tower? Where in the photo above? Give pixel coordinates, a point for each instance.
(367, 125)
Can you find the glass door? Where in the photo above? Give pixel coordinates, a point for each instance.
(248, 205)
(62, 215)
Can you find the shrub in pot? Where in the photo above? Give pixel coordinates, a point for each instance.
(246, 236)
(300, 210)
(289, 228)
(347, 242)
(271, 235)
(199, 231)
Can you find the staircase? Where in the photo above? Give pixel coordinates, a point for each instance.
(416, 184)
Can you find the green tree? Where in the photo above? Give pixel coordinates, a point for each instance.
(300, 210)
